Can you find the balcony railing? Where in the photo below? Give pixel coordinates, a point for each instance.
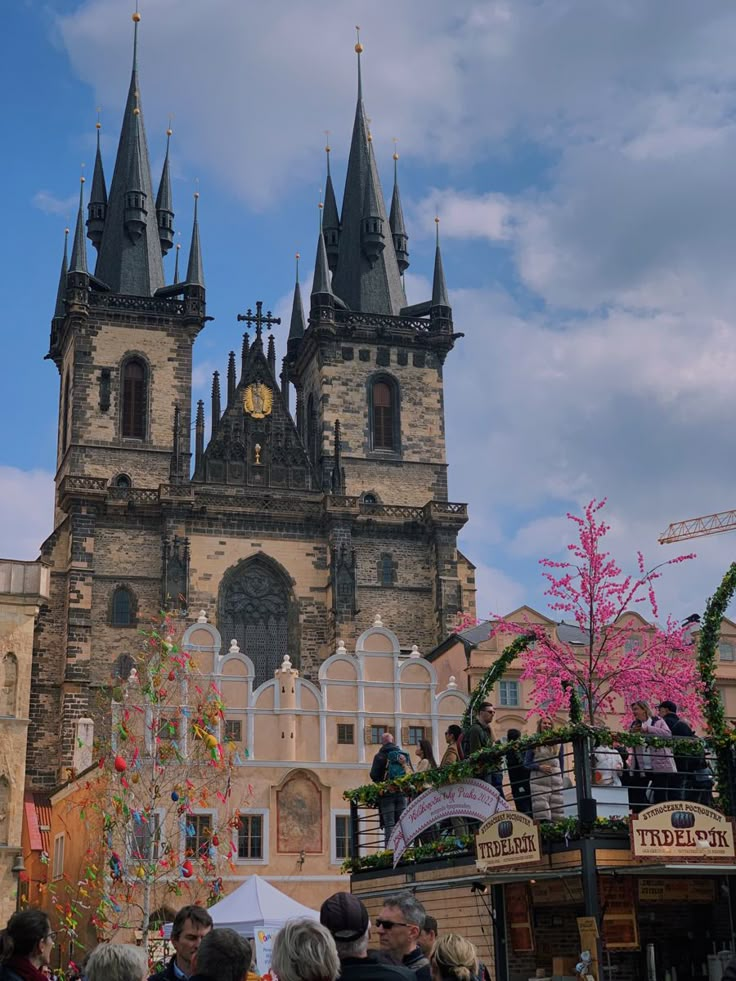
(598, 790)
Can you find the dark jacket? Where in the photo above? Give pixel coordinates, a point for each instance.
(518, 773)
(371, 968)
(168, 973)
(419, 964)
(685, 762)
(8, 974)
(380, 761)
(478, 737)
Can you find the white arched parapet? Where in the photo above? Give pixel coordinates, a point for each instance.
(239, 657)
(410, 666)
(453, 694)
(353, 662)
(303, 686)
(202, 637)
(377, 640)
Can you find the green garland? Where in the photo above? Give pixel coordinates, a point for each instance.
(715, 716)
(494, 674)
(491, 757)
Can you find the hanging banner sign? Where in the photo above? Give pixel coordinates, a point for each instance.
(471, 798)
(506, 840)
(679, 829)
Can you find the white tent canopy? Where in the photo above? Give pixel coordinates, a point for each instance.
(257, 905)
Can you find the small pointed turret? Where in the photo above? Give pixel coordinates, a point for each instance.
(271, 356)
(175, 444)
(176, 262)
(78, 262)
(331, 218)
(97, 207)
(195, 272)
(322, 295)
(297, 324)
(440, 298)
(60, 309)
(231, 383)
(372, 235)
(216, 412)
(164, 203)
(199, 438)
(244, 355)
(396, 223)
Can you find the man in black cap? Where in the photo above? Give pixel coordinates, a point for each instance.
(345, 916)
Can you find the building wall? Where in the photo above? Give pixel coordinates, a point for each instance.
(23, 587)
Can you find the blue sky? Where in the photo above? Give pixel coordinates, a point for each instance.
(581, 157)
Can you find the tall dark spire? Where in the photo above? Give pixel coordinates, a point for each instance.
(396, 222)
(176, 262)
(60, 309)
(321, 282)
(297, 324)
(164, 203)
(216, 412)
(367, 276)
(271, 355)
(195, 272)
(129, 259)
(439, 287)
(231, 383)
(331, 218)
(78, 261)
(244, 355)
(97, 207)
(199, 437)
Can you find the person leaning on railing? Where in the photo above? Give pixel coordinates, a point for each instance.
(545, 777)
(480, 736)
(651, 768)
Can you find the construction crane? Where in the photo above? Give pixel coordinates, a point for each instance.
(710, 524)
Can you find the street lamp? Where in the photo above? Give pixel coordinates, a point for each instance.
(18, 869)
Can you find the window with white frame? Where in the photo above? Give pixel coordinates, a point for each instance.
(509, 694)
(197, 834)
(58, 862)
(726, 651)
(345, 734)
(376, 733)
(233, 731)
(633, 644)
(144, 841)
(342, 836)
(250, 836)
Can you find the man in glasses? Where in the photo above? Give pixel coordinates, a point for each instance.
(480, 735)
(345, 916)
(399, 926)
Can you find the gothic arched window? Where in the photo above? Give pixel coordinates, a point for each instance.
(384, 414)
(257, 608)
(122, 608)
(134, 397)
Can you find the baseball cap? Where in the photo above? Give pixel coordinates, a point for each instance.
(670, 706)
(344, 915)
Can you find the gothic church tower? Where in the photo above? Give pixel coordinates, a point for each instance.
(303, 514)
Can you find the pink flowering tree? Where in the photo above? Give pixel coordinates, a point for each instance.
(619, 661)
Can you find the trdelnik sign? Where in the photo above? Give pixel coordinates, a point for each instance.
(682, 830)
(506, 840)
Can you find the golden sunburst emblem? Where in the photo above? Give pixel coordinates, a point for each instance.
(258, 400)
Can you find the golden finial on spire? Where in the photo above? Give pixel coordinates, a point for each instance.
(66, 231)
(136, 16)
(98, 124)
(437, 228)
(358, 45)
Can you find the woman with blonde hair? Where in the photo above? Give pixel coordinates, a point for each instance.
(649, 766)
(304, 950)
(454, 959)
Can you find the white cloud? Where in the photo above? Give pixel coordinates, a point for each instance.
(464, 215)
(497, 592)
(51, 205)
(27, 511)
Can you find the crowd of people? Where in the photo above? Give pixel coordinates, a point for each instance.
(537, 779)
(336, 947)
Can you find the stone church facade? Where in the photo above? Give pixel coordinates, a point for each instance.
(315, 494)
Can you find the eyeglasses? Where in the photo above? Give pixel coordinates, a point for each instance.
(51, 936)
(388, 924)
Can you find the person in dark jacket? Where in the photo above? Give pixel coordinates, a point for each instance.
(399, 925)
(686, 763)
(191, 925)
(518, 776)
(223, 955)
(346, 917)
(26, 946)
(480, 736)
(390, 806)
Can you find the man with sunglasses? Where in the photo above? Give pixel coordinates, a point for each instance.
(399, 926)
(480, 735)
